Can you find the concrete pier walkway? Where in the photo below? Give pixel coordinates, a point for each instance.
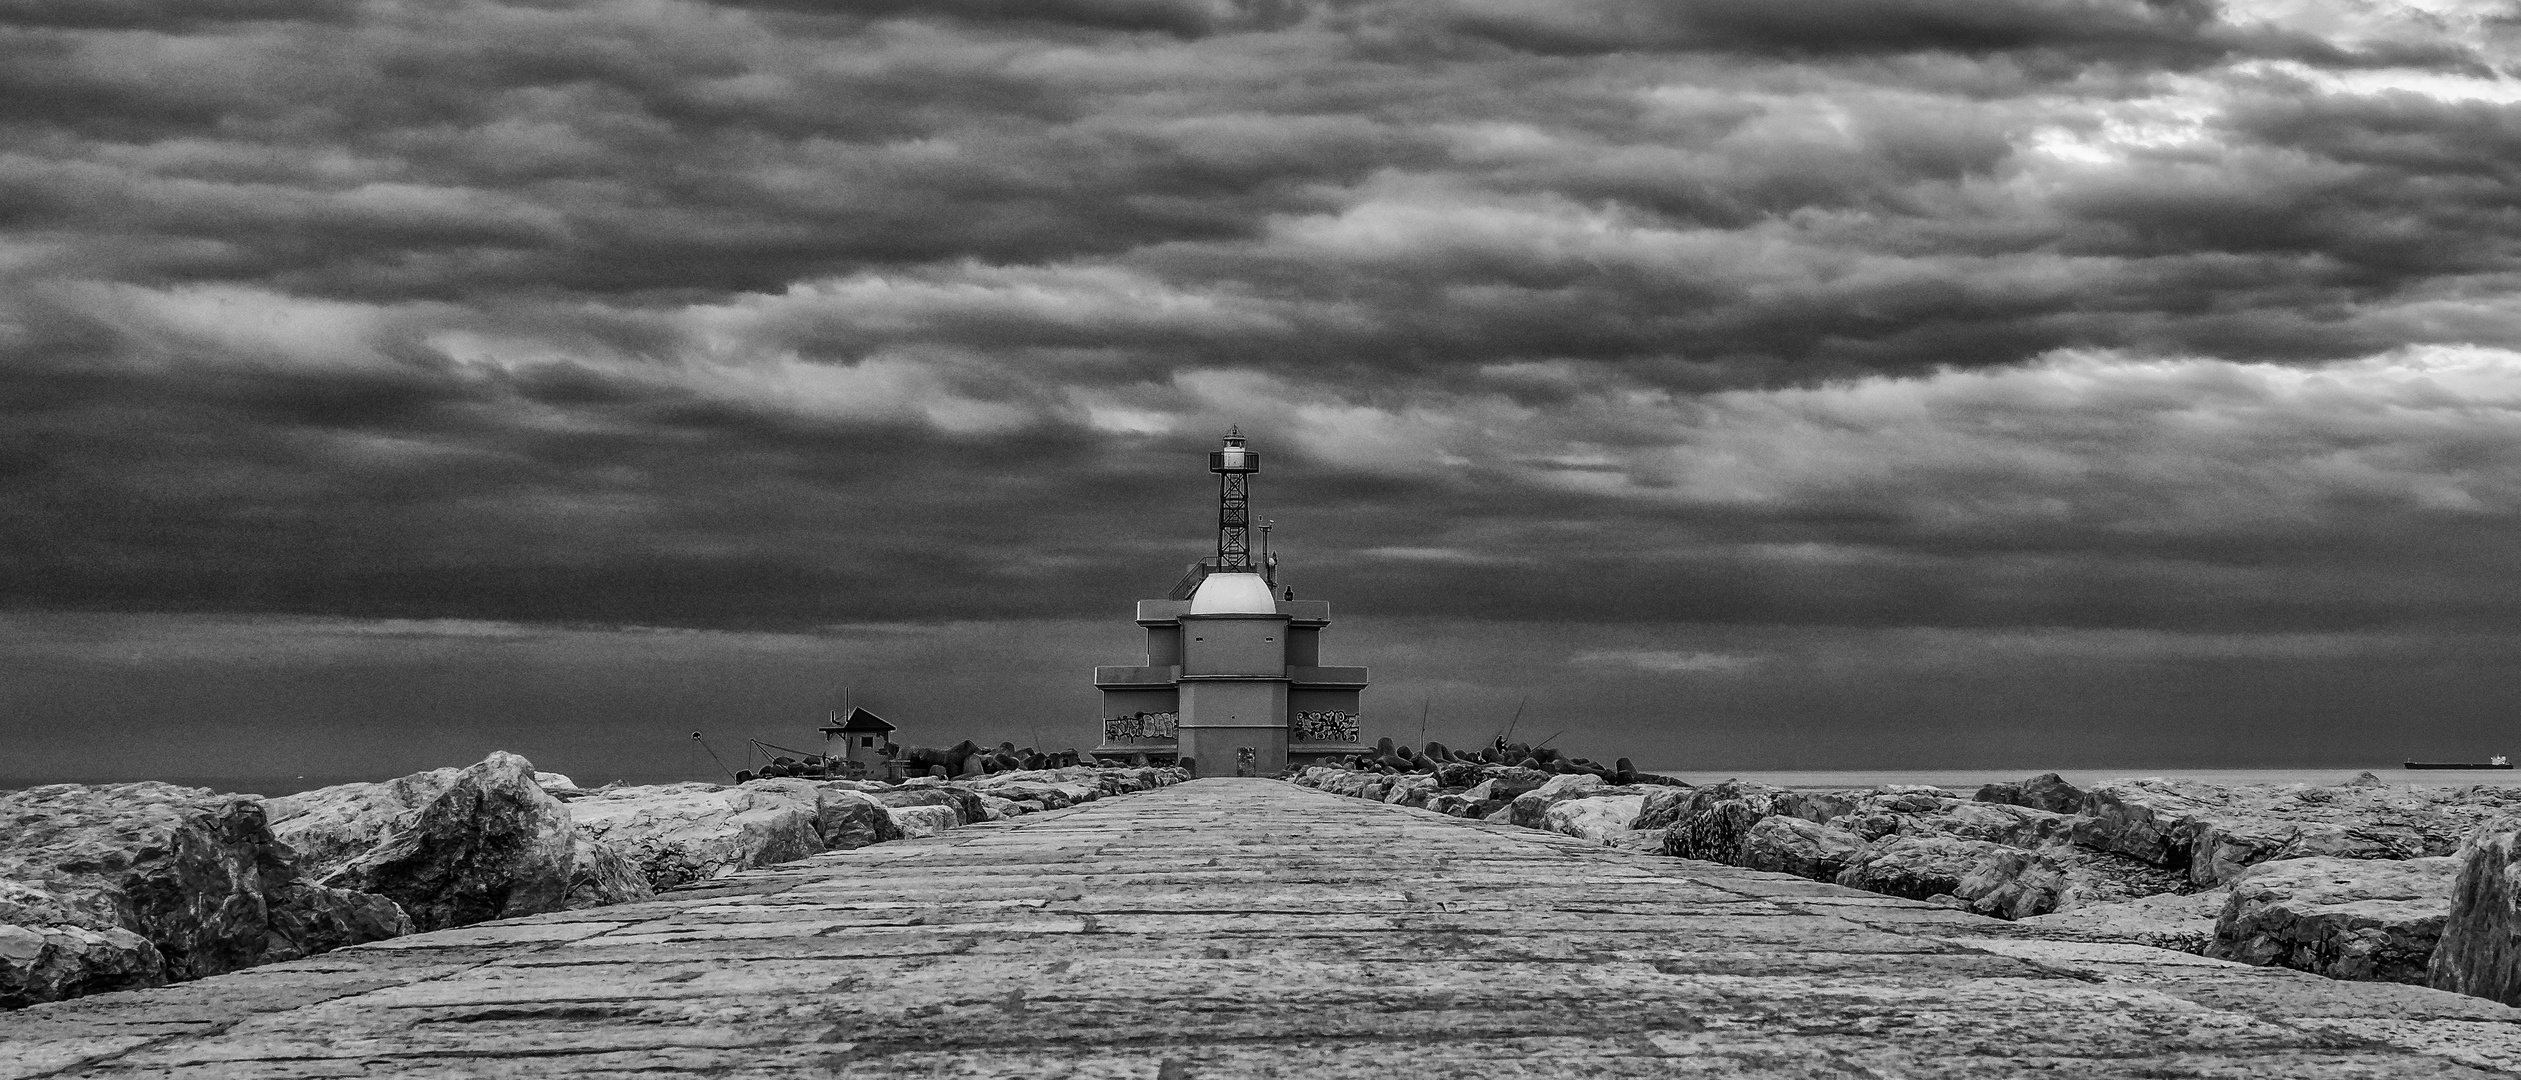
(1252, 928)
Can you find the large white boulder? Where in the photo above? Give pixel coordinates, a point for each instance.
(1531, 808)
(493, 845)
(846, 815)
(926, 820)
(1792, 845)
(1711, 822)
(677, 834)
(1600, 820)
(1981, 875)
(2216, 832)
(1413, 789)
(330, 826)
(2371, 920)
(52, 961)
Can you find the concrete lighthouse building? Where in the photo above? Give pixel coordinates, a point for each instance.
(1234, 680)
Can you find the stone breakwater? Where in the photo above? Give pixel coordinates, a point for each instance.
(2363, 881)
(121, 886)
(1238, 928)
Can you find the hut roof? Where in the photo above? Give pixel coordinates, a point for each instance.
(860, 720)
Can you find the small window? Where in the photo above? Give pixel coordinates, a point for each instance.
(866, 740)
(1269, 639)
(1199, 639)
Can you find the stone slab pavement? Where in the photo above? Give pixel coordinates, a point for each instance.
(1248, 928)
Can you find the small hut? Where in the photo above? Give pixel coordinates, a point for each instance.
(860, 739)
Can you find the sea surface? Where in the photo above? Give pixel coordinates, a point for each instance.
(1967, 781)
(283, 785)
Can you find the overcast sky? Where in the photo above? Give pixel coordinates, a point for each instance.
(1739, 383)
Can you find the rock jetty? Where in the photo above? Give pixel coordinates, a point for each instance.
(123, 886)
(2360, 881)
(1243, 928)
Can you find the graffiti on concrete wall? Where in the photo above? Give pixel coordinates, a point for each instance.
(1330, 727)
(1140, 725)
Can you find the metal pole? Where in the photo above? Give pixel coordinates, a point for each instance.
(713, 755)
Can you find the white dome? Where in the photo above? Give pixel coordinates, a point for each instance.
(1233, 594)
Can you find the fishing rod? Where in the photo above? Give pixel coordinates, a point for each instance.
(758, 744)
(713, 755)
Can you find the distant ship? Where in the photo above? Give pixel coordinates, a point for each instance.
(2496, 762)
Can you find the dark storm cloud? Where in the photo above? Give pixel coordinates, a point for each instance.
(2111, 315)
(2162, 32)
(167, 15)
(1182, 18)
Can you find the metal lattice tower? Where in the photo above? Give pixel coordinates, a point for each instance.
(1234, 466)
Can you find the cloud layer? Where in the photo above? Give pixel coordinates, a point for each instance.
(2008, 316)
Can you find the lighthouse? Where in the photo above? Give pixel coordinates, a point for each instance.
(1234, 681)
